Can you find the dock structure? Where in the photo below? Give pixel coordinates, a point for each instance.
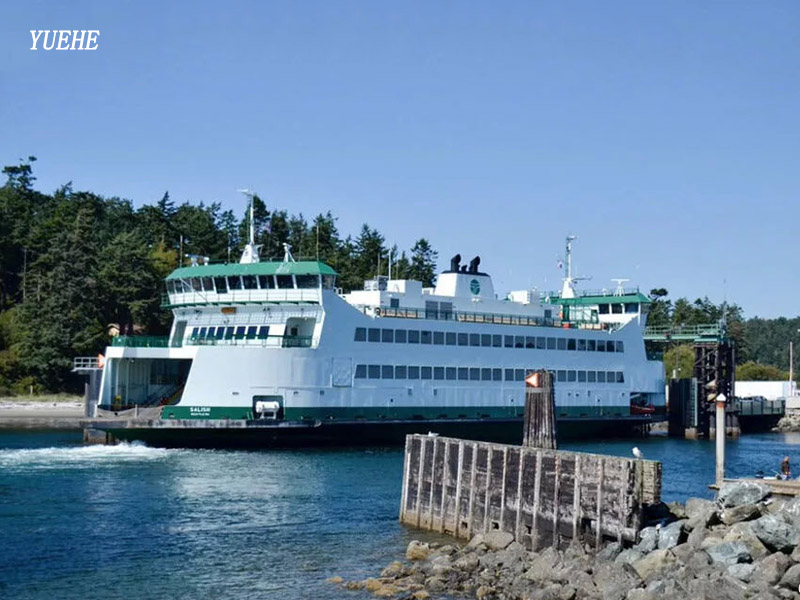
(541, 495)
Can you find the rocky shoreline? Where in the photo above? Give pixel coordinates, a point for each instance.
(790, 422)
(743, 545)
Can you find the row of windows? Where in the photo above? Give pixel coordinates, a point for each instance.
(241, 332)
(450, 338)
(479, 374)
(232, 283)
(618, 308)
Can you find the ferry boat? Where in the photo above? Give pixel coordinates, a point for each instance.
(273, 353)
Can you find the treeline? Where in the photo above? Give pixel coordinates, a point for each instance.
(73, 264)
(761, 345)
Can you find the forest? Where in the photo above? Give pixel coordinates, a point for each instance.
(76, 266)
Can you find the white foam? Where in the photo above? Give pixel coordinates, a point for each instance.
(80, 456)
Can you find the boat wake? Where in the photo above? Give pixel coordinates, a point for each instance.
(81, 456)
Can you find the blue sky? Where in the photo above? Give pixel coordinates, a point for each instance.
(665, 135)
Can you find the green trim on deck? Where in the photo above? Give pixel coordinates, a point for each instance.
(262, 268)
(610, 299)
(207, 412)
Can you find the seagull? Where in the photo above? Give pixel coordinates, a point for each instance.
(637, 453)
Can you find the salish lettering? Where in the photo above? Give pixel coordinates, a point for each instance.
(65, 39)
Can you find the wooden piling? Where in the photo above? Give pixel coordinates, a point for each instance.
(540, 411)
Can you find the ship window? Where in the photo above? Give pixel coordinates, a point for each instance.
(446, 310)
(400, 336)
(438, 338)
(307, 282)
(431, 309)
(400, 372)
(602, 309)
(361, 371)
(387, 335)
(220, 333)
(571, 344)
(229, 333)
(263, 332)
(463, 339)
(611, 346)
(486, 339)
(541, 343)
(450, 338)
(582, 376)
(561, 375)
(591, 376)
(426, 372)
(450, 373)
(387, 372)
(394, 302)
(601, 345)
(562, 344)
(571, 376)
(486, 374)
(530, 342)
(413, 336)
(463, 373)
(251, 332)
(601, 377)
(240, 332)
(581, 345)
(170, 287)
(285, 282)
(328, 281)
(234, 282)
(497, 341)
(620, 347)
(474, 339)
(509, 341)
(361, 334)
(202, 332)
(266, 282)
(590, 345)
(497, 374)
(551, 343)
(519, 374)
(474, 374)
(425, 337)
(374, 334)
(197, 286)
(631, 307)
(509, 374)
(438, 372)
(250, 282)
(519, 341)
(210, 333)
(616, 308)
(208, 284)
(374, 371)
(221, 285)
(620, 377)
(413, 372)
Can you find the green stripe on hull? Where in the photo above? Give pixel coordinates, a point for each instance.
(407, 413)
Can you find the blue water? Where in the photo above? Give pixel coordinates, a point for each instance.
(136, 522)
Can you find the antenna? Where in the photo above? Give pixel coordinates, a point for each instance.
(250, 254)
(620, 291)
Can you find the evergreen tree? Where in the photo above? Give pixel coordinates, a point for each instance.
(423, 262)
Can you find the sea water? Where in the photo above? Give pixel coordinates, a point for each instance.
(129, 521)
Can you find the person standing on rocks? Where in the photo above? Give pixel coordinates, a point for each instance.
(786, 471)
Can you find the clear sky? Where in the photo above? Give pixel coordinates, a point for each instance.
(666, 135)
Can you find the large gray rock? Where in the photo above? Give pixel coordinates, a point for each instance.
(497, 540)
(775, 533)
(417, 550)
(741, 571)
(614, 581)
(641, 594)
(718, 587)
(728, 553)
(791, 578)
(773, 567)
(654, 564)
(741, 532)
(671, 535)
(628, 556)
(696, 506)
(610, 552)
(467, 563)
(697, 535)
(702, 519)
(648, 540)
(745, 512)
(544, 566)
(736, 493)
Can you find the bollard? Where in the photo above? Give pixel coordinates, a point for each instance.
(720, 438)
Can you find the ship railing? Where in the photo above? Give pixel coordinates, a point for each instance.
(555, 296)
(288, 296)
(490, 318)
(140, 341)
(711, 330)
(269, 341)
